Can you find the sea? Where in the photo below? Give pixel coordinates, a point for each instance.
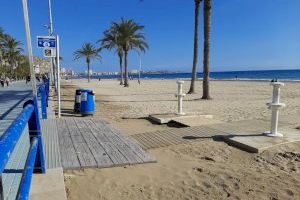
(284, 75)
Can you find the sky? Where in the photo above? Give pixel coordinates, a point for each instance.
(245, 34)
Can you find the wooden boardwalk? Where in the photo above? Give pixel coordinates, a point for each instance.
(157, 139)
(96, 143)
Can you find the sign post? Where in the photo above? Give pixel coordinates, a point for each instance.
(58, 76)
(50, 46)
(49, 53)
(46, 41)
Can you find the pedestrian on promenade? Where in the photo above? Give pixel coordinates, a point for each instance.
(2, 81)
(27, 79)
(7, 80)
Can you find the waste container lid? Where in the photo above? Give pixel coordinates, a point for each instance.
(86, 90)
(78, 91)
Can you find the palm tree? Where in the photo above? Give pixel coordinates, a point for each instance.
(23, 67)
(110, 41)
(206, 51)
(129, 37)
(195, 56)
(11, 51)
(1, 46)
(89, 52)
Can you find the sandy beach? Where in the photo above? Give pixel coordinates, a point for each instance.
(204, 169)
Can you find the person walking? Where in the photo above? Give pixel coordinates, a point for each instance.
(7, 80)
(2, 81)
(27, 79)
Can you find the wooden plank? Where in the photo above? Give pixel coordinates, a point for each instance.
(100, 155)
(100, 137)
(124, 145)
(85, 156)
(68, 154)
(116, 157)
(114, 154)
(169, 137)
(132, 145)
(139, 139)
(147, 139)
(165, 137)
(130, 149)
(119, 145)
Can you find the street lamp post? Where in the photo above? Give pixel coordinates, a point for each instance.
(58, 75)
(29, 48)
(52, 62)
(140, 68)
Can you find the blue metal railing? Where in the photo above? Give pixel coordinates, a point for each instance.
(44, 94)
(35, 160)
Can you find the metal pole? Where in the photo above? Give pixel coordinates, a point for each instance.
(29, 48)
(140, 68)
(58, 75)
(51, 33)
(50, 18)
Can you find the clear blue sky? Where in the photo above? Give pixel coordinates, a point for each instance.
(246, 34)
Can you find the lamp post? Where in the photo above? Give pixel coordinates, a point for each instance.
(140, 68)
(29, 48)
(58, 75)
(50, 29)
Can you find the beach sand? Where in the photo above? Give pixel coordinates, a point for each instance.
(204, 169)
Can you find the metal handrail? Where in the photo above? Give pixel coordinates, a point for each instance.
(44, 93)
(35, 160)
(24, 187)
(12, 135)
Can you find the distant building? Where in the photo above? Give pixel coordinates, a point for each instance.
(63, 70)
(134, 71)
(42, 66)
(90, 72)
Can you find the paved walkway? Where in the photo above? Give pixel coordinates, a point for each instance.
(11, 104)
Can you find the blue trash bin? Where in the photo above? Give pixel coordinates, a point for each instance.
(87, 105)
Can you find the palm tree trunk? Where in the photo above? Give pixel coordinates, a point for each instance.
(121, 70)
(195, 57)
(126, 83)
(207, 24)
(88, 66)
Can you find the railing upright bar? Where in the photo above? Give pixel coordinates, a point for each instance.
(24, 188)
(35, 131)
(43, 93)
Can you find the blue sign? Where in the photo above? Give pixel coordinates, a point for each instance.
(46, 42)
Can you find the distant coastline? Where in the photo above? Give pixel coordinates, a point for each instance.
(259, 75)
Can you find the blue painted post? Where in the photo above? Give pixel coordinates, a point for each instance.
(24, 188)
(43, 101)
(47, 87)
(35, 131)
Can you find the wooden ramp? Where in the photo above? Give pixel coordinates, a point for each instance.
(95, 143)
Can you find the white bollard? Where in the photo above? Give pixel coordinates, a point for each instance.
(180, 96)
(274, 106)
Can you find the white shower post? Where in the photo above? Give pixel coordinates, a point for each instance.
(180, 96)
(275, 106)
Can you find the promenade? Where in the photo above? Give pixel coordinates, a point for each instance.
(12, 99)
